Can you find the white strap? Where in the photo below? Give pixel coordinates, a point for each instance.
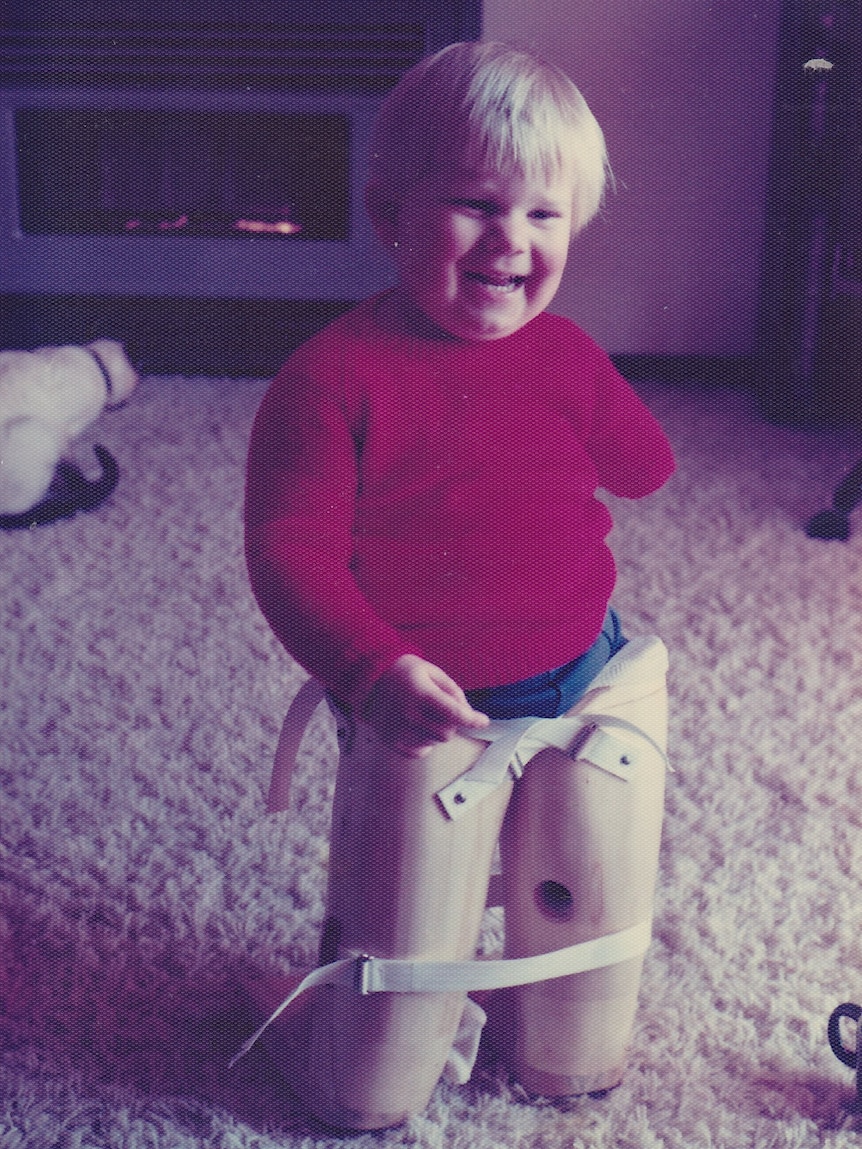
(512, 743)
(299, 714)
(368, 974)
(610, 744)
(393, 975)
(336, 973)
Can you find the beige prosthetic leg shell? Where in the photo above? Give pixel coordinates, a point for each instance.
(404, 881)
(580, 853)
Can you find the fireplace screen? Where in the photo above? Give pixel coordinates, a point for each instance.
(179, 173)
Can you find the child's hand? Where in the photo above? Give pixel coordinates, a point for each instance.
(414, 705)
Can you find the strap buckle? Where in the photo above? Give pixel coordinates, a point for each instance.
(362, 975)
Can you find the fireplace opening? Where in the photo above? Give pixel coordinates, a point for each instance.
(281, 176)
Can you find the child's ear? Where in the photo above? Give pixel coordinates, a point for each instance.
(383, 212)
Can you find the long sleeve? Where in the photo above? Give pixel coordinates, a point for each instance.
(300, 493)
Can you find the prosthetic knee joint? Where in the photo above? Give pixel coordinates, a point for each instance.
(576, 803)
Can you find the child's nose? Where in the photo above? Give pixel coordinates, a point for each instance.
(509, 233)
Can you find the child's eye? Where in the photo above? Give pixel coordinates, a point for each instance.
(478, 206)
(543, 213)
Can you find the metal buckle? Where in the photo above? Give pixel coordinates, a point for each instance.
(361, 974)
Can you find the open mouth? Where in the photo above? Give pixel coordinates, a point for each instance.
(500, 283)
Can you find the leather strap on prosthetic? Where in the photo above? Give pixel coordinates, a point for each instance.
(306, 700)
(511, 742)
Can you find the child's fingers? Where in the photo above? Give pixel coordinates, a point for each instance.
(457, 705)
(418, 706)
(475, 720)
(464, 714)
(447, 715)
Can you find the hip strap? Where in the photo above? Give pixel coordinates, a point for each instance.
(599, 739)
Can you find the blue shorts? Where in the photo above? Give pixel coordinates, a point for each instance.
(553, 692)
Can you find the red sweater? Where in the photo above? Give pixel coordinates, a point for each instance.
(436, 497)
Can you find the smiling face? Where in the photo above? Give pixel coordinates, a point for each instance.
(479, 253)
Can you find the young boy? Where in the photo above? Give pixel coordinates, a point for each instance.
(422, 531)
(423, 535)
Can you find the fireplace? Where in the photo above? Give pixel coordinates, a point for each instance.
(183, 173)
(162, 163)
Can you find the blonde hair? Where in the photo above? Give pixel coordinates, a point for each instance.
(489, 103)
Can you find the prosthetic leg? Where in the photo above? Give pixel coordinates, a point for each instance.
(580, 848)
(406, 893)
(411, 852)
(404, 882)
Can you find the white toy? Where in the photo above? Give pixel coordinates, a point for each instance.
(47, 398)
(577, 803)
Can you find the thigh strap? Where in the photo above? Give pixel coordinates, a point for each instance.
(366, 974)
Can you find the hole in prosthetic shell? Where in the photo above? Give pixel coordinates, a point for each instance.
(555, 901)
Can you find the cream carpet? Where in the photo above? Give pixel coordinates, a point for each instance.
(140, 699)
